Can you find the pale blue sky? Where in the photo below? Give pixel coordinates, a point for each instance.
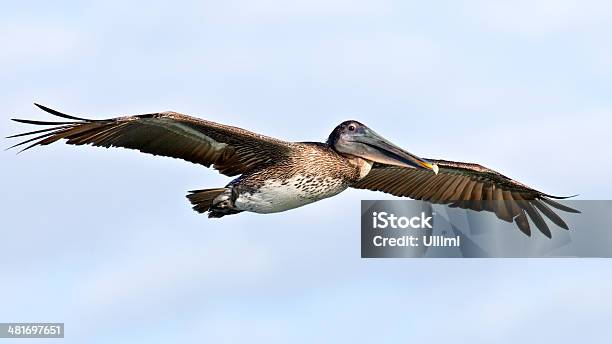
(105, 241)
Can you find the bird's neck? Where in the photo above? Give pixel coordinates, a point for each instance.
(363, 166)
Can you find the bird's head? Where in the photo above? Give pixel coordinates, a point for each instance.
(356, 139)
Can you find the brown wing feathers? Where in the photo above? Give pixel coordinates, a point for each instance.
(234, 151)
(231, 150)
(469, 186)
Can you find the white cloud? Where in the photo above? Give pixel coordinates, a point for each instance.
(30, 43)
(538, 18)
(176, 267)
(290, 10)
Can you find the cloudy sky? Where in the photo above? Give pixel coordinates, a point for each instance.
(105, 241)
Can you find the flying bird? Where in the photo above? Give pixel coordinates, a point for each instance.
(275, 175)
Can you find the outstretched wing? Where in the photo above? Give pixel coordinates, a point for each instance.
(469, 186)
(229, 149)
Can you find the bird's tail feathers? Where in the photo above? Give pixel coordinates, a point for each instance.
(202, 200)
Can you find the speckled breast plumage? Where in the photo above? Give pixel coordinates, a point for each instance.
(314, 173)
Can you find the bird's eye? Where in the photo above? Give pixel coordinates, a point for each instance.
(351, 127)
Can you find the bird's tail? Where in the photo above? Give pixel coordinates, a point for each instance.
(203, 199)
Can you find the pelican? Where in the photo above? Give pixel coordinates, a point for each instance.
(275, 175)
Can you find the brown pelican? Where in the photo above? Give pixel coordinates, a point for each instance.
(276, 175)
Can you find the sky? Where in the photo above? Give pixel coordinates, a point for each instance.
(105, 241)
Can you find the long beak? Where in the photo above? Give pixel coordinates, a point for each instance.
(377, 148)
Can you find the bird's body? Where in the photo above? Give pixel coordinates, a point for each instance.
(313, 172)
(275, 175)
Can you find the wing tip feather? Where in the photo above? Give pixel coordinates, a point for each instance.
(560, 197)
(60, 114)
